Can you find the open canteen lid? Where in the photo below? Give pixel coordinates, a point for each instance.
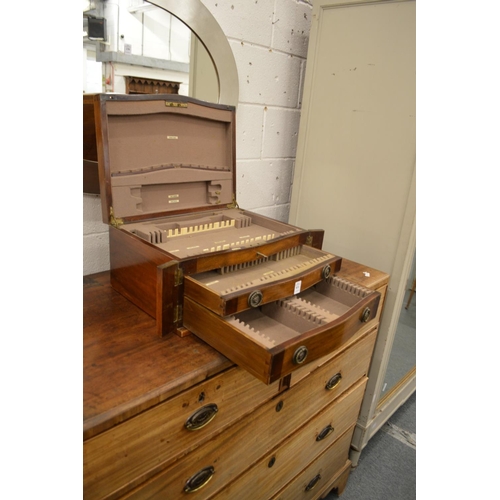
(163, 155)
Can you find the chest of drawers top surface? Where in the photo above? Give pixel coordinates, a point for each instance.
(127, 367)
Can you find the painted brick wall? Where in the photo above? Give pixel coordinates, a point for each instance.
(269, 40)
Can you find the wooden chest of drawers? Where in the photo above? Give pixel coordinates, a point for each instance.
(173, 418)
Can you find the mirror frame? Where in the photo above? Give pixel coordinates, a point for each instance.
(203, 24)
(384, 405)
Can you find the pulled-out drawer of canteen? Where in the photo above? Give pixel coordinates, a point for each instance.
(272, 339)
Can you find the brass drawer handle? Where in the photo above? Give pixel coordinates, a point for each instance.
(325, 273)
(201, 417)
(325, 432)
(333, 382)
(365, 316)
(313, 482)
(255, 298)
(300, 355)
(198, 480)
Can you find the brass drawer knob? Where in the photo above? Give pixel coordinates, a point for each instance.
(365, 316)
(325, 432)
(326, 271)
(255, 298)
(300, 355)
(201, 417)
(198, 480)
(333, 382)
(313, 482)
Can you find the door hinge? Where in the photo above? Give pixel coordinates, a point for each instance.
(114, 221)
(234, 204)
(174, 104)
(177, 314)
(178, 277)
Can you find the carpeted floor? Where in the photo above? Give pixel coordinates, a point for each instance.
(387, 466)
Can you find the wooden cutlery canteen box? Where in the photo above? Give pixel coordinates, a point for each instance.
(260, 291)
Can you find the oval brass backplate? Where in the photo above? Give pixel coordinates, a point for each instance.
(313, 482)
(333, 382)
(198, 480)
(325, 432)
(201, 417)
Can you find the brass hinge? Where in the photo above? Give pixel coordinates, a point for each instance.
(177, 314)
(178, 277)
(234, 204)
(115, 222)
(174, 104)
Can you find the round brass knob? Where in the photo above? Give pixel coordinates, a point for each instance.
(255, 298)
(326, 271)
(365, 316)
(300, 355)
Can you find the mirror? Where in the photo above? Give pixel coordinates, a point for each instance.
(162, 46)
(146, 49)
(402, 360)
(174, 47)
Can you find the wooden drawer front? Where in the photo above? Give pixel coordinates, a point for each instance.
(280, 466)
(332, 378)
(300, 373)
(306, 370)
(230, 290)
(128, 454)
(274, 340)
(311, 482)
(232, 452)
(383, 291)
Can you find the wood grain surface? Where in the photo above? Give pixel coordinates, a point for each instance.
(126, 367)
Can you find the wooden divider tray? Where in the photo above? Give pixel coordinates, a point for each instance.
(208, 232)
(235, 288)
(274, 339)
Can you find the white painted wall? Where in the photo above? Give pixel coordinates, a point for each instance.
(269, 40)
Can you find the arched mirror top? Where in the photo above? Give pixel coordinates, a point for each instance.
(202, 23)
(160, 46)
